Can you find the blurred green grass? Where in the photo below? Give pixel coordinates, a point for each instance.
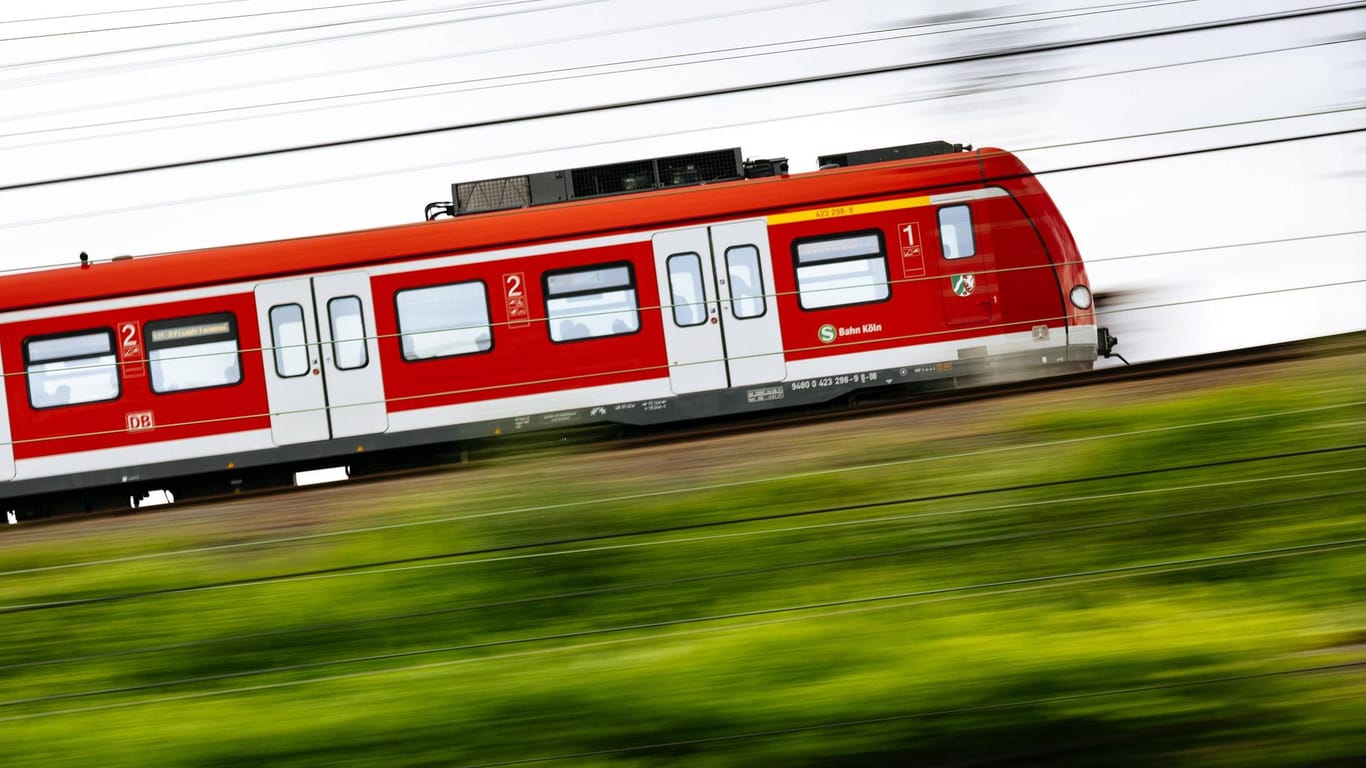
(881, 601)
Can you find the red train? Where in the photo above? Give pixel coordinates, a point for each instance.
(724, 286)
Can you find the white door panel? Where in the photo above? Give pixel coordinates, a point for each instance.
(350, 354)
(749, 307)
(6, 438)
(321, 358)
(692, 329)
(292, 361)
(720, 313)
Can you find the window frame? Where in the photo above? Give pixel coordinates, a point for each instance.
(488, 321)
(880, 254)
(363, 339)
(971, 230)
(701, 302)
(547, 296)
(275, 346)
(113, 352)
(761, 296)
(205, 318)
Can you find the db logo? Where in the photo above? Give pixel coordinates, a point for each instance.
(140, 422)
(826, 333)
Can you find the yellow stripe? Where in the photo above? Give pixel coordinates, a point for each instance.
(848, 210)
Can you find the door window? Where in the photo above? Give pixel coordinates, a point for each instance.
(955, 232)
(349, 351)
(746, 282)
(287, 337)
(685, 288)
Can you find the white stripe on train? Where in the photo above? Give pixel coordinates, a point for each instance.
(234, 443)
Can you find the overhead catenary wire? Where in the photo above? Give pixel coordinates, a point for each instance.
(187, 200)
(608, 200)
(521, 45)
(1088, 261)
(195, 20)
(645, 64)
(122, 11)
(304, 28)
(698, 94)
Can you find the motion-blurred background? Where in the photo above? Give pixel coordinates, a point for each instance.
(1161, 572)
(1206, 153)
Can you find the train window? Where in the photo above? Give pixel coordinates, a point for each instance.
(193, 353)
(841, 270)
(955, 232)
(71, 369)
(685, 286)
(591, 303)
(348, 333)
(746, 282)
(287, 337)
(444, 321)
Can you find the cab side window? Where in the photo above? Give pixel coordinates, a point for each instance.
(955, 232)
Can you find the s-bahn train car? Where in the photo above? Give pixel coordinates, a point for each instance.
(638, 293)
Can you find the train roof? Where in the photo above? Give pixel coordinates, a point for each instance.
(572, 220)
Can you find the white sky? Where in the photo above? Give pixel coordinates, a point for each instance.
(536, 51)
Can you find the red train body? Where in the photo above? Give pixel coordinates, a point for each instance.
(194, 370)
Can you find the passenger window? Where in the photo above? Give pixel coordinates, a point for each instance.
(348, 333)
(71, 369)
(444, 321)
(746, 282)
(955, 232)
(841, 270)
(193, 353)
(287, 337)
(591, 303)
(685, 288)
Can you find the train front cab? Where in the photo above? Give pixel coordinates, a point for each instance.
(1043, 261)
(953, 284)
